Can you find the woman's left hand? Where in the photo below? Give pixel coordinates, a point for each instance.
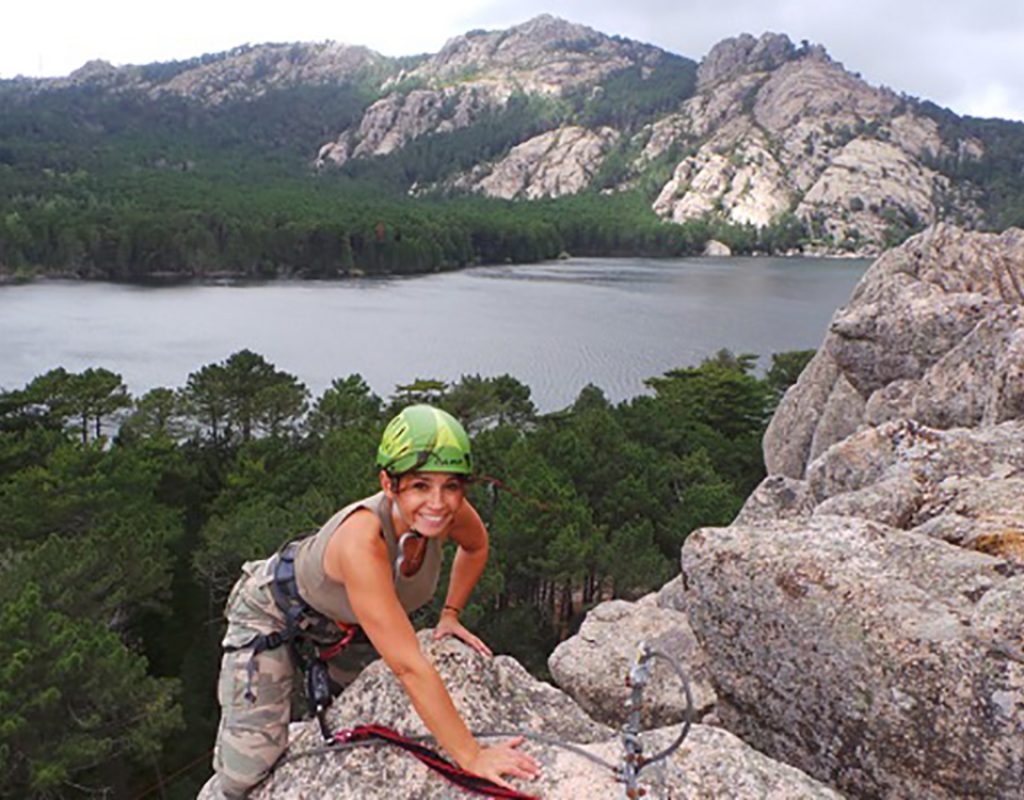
(449, 625)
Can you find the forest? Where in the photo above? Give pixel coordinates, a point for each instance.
(123, 185)
(126, 520)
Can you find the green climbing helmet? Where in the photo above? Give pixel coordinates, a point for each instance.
(424, 439)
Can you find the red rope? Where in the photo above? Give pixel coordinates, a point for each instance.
(433, 760)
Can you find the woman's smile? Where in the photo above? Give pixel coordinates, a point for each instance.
(427, 502)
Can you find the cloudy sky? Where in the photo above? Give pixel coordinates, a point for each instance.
(963, 54)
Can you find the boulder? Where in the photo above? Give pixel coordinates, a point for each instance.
(863, 617)
(934, 332)
(886, 663)
(592, 665)
(715, 248)
(499, 695)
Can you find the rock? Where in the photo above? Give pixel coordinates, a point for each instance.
(740, 54)
(545, 55)
(498, 694)
(892, 502)
(774, 129)
(592, 665)
(776, 497)
(1006, 544)
(867, 177)
(556, 163)
(672, 595)
(980, 380)
(839, 418)
(934, 332)
(715, 248)
(789, 436)
(747, 181)
(883, 662)
(478, 73)
(934, 459)
(247, 72)
(396, 119)
(96, 70)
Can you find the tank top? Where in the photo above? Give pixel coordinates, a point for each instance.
(330, 597)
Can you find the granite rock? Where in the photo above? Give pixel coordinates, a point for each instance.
(591, 666)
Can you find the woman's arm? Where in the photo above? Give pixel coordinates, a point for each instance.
(469, 533)
(359, 560)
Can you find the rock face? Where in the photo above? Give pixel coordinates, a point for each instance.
(545, 55)
(478, 73)
(396, 119)
(250, 72)
(499, 695)
(241, 74)
(933, 332)
(777, 129)
(863, 618)
(590, 666)
(885, 662)
(553, 164)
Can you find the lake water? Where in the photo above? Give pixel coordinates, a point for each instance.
(556, 326)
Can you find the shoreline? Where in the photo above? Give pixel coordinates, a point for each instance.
(230, 278)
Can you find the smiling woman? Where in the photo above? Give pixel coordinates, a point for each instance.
(369, 566)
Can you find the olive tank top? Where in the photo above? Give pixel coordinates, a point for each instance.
(330, 598)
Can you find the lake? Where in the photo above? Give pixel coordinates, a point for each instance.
(556, 326)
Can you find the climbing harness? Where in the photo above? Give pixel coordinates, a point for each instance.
(302, 626)
(627, 772)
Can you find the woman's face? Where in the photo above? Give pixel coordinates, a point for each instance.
(426, 501)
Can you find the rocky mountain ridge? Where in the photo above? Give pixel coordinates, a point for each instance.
(763, 134)
(787, 130)
(480, 72)
(772, 131)
(241, 74)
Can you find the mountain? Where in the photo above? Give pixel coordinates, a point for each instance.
(765, 145)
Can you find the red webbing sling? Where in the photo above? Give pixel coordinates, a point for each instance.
(436, 762)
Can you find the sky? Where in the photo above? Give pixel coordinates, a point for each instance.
(962, 54)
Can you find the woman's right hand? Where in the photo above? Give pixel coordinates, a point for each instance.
(504, 759)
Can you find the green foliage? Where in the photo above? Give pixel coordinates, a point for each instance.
(245, 395)
(118, 554)
(785, 369)
(996, 172)
(481, 403)
(347, 403)
(635, 95)
(74, 699)
(901, 224)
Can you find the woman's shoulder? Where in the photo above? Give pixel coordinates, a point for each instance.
(358, 514)
(355, 539)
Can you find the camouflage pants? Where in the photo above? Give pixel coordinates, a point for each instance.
(256, 705)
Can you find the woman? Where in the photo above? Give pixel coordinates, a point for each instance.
(370, 565)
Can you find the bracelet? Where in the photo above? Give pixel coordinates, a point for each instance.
(456, 609)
